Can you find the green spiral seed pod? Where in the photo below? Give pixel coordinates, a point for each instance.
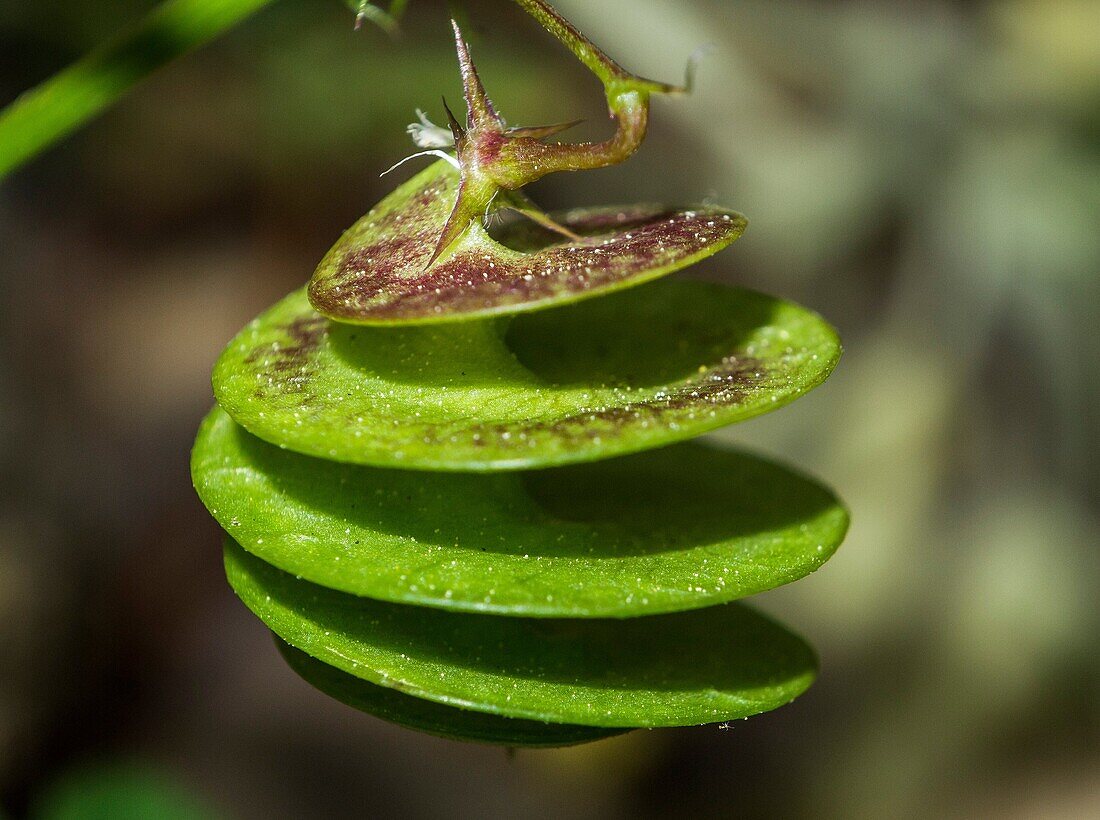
(455, 471)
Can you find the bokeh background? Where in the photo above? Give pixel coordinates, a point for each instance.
(925, 174)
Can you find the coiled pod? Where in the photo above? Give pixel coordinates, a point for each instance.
(455, 474)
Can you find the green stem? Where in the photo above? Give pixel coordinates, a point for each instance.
(613, 76)
(60, 105)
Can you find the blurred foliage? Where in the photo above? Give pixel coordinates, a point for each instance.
(117, 791)
(62, 103)
(926, 174)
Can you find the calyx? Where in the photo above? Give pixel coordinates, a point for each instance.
(496, 161)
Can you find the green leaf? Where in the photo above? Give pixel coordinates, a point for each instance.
(678, 528)
(377, 273)
(118, 789)
(434, 718)
(633, 371)
(63, 103)
(713, 664)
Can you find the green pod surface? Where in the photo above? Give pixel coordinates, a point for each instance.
(714, 664)
(679, 528)
(378, 272)
(636, 370)
(434, 718)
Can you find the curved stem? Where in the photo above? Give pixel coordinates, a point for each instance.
(610, 73)
(631, 112)
(527, 160)
(584, 49)
(627, 100)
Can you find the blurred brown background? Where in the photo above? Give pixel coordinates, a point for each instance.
(927, 175)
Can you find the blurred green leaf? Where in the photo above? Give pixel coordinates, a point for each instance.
(66, 101)
(60, 105)
(117, 791)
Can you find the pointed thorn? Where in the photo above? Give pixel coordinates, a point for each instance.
(457, 131)
(451, 232)
(523, 204)
(479, 108)
(541, 132)
(462, 214)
